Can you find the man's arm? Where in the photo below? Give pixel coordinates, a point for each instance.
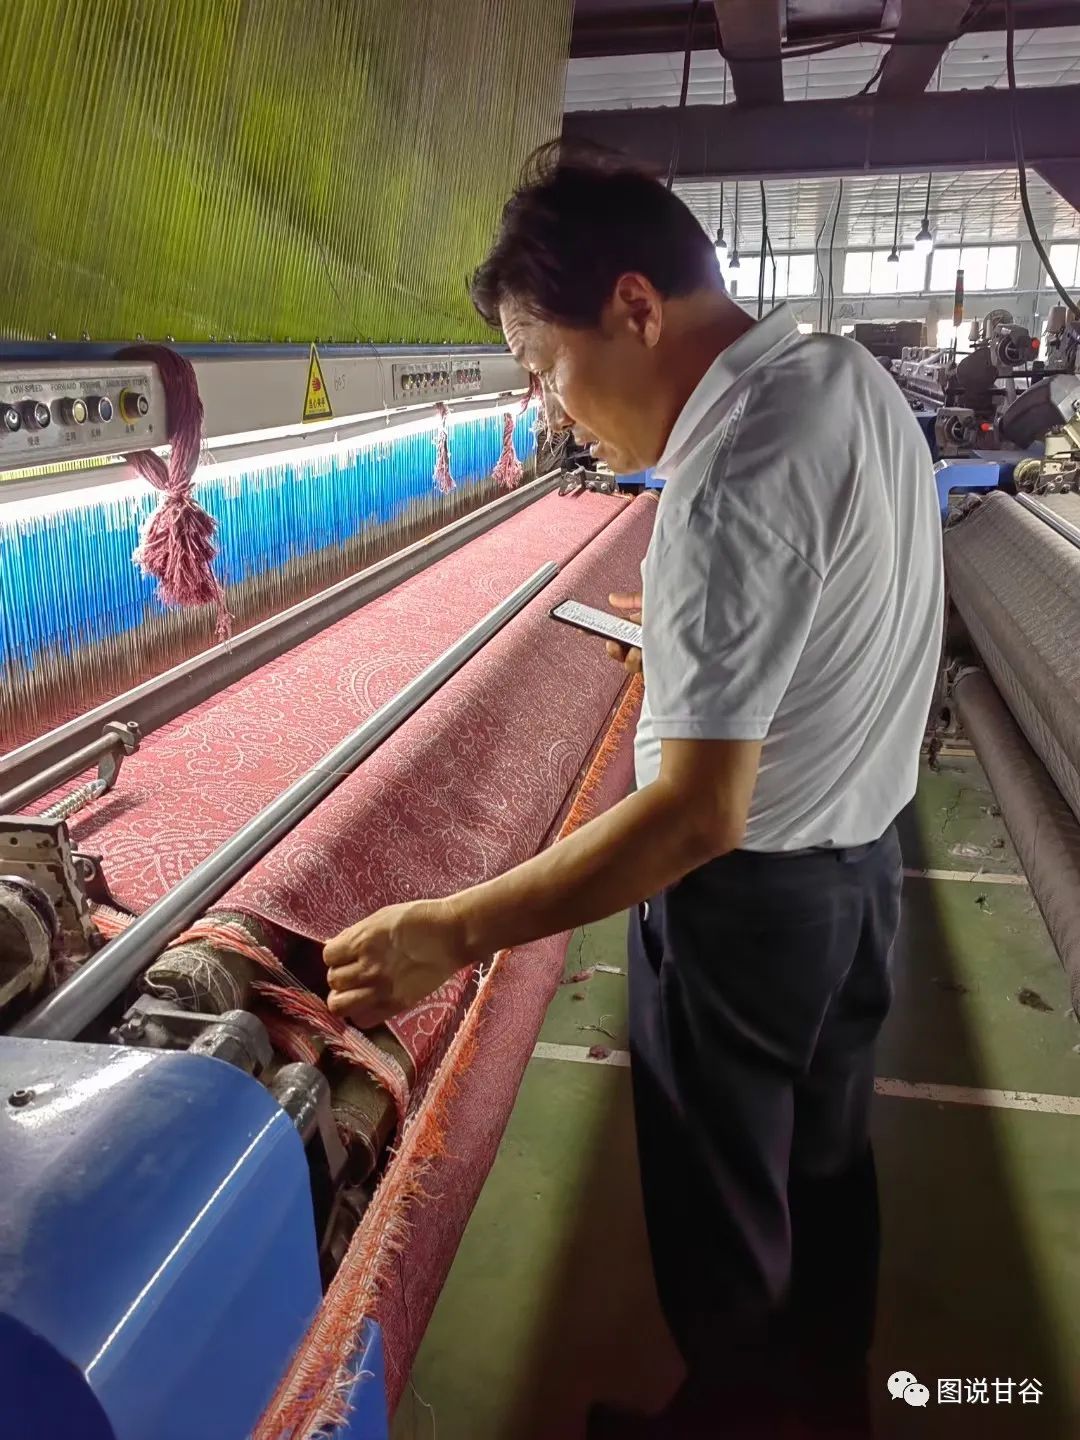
(695, 811)
(724, 629)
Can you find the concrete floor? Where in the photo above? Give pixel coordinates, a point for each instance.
(550, 1303)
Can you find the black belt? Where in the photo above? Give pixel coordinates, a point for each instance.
(844, 854)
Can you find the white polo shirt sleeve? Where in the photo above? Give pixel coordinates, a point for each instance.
(728, 605)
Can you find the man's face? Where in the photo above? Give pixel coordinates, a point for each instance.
(600, 382)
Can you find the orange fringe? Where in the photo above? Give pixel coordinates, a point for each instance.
(312, 1397)
(229, 936)
(110, 922)
(343, 1039)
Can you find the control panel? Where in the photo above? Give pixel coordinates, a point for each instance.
(440, 378)
(56, 411)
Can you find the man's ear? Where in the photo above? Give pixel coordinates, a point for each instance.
(636, 305)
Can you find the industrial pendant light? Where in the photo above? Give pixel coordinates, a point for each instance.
(924, 240)
(893, 256)
(733, 261)
(721, 242)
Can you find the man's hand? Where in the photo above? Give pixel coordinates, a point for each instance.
(629, 656)
(392, 960)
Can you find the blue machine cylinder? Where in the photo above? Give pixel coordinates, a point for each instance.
(158, 1261)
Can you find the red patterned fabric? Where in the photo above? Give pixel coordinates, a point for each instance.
(194, 782)
(398, 1259)
(465, 789)
(468, 787)
(478, 1109)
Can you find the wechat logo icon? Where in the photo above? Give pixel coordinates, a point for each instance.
(904, 1386)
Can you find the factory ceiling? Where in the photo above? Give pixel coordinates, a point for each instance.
(801, 90)
(646, 27)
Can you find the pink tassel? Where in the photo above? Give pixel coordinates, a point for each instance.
(444, 481)
(508, 471)
(177, 546)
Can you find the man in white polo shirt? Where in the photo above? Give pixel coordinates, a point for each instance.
(792, 599)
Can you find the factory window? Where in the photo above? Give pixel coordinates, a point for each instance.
(801, 279)
(794, 276)
(947, 332)
(857, 272)
(804, 328)
(1065, 259)
(868, 272)
(985, 267)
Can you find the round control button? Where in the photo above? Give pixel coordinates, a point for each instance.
(100, 408)
(10, 419)
(36, 415)
(133, 405)
(71, 412)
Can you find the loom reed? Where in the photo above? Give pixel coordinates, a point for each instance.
(79, 622)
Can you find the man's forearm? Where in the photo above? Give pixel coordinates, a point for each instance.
(648, 841)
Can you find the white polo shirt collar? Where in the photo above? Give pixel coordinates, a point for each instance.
(763, 339)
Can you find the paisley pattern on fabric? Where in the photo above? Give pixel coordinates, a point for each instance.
(195, 781)
(466, 788)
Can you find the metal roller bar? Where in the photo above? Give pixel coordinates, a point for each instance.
(104, 977)
(188, 684)
(1043, 828)
(1056, 522)
(119, 740)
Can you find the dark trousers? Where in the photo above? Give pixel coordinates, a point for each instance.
(758, 986)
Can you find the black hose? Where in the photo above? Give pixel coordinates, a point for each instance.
(1018, 150)
(687, 61)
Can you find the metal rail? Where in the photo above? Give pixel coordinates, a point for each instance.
(1064, 528)
(157, 701)
(81, 999)
(119, 740)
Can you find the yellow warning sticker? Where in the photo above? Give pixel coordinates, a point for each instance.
(317, 399)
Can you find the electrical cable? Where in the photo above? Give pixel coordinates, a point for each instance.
(735, 224)
(761, 254)
(772, 258)
(687, 61)
(1018, 150)
(875, 76)
(817, 267)
(832, 252)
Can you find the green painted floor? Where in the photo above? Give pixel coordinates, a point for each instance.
(550, 1303)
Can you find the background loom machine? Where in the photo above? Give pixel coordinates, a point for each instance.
(238, 343)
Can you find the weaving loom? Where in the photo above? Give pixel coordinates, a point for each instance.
(330, 682)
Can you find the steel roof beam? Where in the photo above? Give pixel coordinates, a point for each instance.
(1062, 176)
(954, 130)
(661, 29)
(750, 42)
(909, 66)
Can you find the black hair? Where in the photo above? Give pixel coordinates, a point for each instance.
(577, 221)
